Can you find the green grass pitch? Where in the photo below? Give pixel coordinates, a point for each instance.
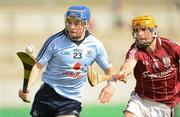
(102, 110)
(88, 111)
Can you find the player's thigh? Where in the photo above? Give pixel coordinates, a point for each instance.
(66, 116)
(129, 114)
(135, 107)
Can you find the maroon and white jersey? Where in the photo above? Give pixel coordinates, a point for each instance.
(157, 73)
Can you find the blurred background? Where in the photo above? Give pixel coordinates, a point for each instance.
(24, 22)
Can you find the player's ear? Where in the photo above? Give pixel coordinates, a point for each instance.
(134, 35)
(87, 25)
(155, 33)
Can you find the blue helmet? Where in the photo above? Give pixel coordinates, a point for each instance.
(79, 12)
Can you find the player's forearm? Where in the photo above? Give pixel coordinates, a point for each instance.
(125, 70)
(34, 75)
(128, 66)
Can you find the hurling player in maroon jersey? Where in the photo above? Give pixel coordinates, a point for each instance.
(154, 61)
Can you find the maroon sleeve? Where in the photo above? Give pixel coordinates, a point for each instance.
(173, 47)
(177, 50)
(132, 53)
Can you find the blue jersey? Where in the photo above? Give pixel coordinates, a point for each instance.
(66, 62)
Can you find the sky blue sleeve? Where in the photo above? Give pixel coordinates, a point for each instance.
(102, 58)
(46, 52)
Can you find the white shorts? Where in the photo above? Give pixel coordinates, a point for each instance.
(146, 108)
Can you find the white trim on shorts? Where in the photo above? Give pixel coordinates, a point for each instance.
(147, 108)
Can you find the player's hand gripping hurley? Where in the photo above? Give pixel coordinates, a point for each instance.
(95, 78)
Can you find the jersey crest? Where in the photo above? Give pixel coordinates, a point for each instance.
(89, 53)
(166, 61)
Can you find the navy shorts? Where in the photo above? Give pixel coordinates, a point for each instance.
(47, 103)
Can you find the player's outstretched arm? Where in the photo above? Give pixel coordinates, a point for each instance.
(126, 69)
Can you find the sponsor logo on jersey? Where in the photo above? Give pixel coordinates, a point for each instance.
(78, 50)
(109, 61)
(65, 53)
(35, 113)
(73, 74)
(76, 74)
(75, 112)
(77, 66)
(162, 74)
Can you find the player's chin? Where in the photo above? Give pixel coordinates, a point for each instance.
(75, 38)
(72, 33)
(142, 41)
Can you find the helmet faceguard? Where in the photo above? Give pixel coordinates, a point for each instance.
(143, 23)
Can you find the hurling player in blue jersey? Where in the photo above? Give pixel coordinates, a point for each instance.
(66, 56)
